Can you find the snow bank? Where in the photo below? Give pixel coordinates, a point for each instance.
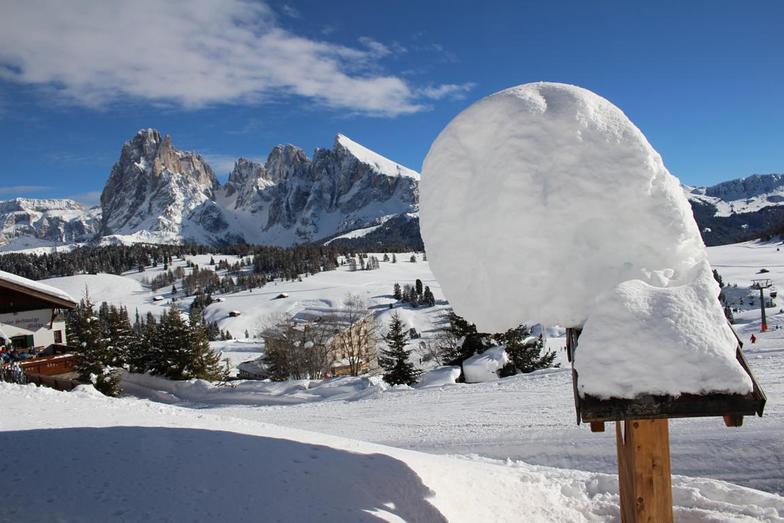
(484, 367)
(139, 461)
(250, 392)
(544, 202)
(438, 377)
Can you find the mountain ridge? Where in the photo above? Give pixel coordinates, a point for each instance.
(348, 193)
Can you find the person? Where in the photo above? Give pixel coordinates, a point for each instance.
(753, 339)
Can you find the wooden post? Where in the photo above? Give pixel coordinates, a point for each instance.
(644, 476)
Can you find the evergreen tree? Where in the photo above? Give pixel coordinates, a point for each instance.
(396, 293)
(418, 287)
(413, 258)
(91, 349)
(120, 337)
(203, 362)
(524, 351)
(394, 359)
(427, 298)
(394, 258)
(168, 354)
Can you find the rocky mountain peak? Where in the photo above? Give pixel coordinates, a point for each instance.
(285, 161)
(153, 186)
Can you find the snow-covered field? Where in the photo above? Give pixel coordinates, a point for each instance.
(501, 438)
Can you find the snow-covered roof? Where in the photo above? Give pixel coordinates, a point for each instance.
(382, 164)
(38, 289)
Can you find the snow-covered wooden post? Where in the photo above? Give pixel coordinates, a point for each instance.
(549, 187)
(643, 439)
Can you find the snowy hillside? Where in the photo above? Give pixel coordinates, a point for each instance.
(143, 461)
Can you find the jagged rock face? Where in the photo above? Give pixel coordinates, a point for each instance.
(53, 221)
(340, 189)
(156, 188)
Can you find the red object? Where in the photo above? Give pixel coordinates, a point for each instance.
(753, 338)
(764, 327)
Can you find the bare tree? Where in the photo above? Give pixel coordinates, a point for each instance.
(357, 339)
(298, 349)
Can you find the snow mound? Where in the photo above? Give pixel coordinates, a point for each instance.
(570, 217)
(484, 367)
(438, 377)
(659, 340)
(558, 197)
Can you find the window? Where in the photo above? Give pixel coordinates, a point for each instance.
(58, 336)
(22, 342)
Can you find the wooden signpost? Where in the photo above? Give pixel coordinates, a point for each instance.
(643, 439)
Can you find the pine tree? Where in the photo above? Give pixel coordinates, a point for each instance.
(169, 347)
(91, 349)
(394, 258)
(396, 293)
(203, 362)
(524, 351)
(413, 258)
(427, 297)
(418, 287)
(394, 359)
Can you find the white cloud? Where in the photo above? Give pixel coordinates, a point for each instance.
(190, 54)
(453, 91)
(17, 190)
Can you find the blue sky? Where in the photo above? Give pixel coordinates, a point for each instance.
(230, 78)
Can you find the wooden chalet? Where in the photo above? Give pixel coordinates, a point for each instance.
(33, 333)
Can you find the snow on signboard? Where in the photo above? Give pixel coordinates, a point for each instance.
(544, 202)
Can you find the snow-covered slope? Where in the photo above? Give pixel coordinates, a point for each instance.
(738, 209)
(139, 461)
(28, 223)
(743, 195)
(525, 417)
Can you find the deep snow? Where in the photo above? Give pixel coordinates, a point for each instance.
(101, 459)
(544, 203)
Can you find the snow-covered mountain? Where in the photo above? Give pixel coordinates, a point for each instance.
(738, 209)
(158, 194)
(26, 223)
(292, 198)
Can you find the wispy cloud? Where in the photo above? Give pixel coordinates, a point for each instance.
(190, 54)
(452, 91)
(18, 190)
(290, 11)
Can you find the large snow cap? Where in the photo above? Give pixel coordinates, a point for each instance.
(537, 199)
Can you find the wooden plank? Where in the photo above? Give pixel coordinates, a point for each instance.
(732, 420)
(644, 471)
(597, 426)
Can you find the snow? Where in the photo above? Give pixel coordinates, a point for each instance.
(659, 340)
(484, 367)
(537, 199)
(439, 377)
(382, 164)
(36, 286)
(143, 461)
(570, 217)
